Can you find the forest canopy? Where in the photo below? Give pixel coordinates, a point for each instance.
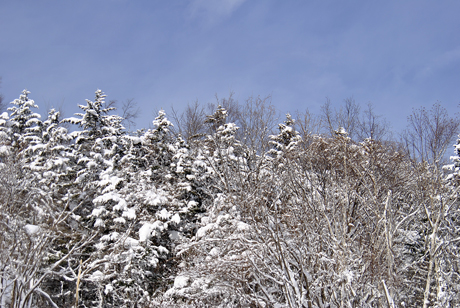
(227, 205)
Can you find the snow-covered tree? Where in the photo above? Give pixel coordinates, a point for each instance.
(24, 124)
(287, 138)
(49, 162)
(103, 218)
(5, 141)
(39, 239)
(98, 146)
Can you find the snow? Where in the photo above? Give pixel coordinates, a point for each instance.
(154, 261)
(99, 223)
(222, 218)
(407, 236)
(145, 232)
(214, 252)
(347, 276)
(4, 150)
(120, 220)
(98, 211)
(129, 213)
(192, 204)
(130, 242)
(31, 229)
(181, 282)
(176, 218)
(107, 197)
(241, 226)
(155, 199)
(164, 214)
(136, 140)
(110, 181)
(110, 237)
(108, 289)
(204, 230)
(179, 169)
(162, 250)
(3, 116)
(96, 276)
(122, 205)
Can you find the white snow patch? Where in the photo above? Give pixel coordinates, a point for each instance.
(99, 223)
(204, 230)
(181, 282)
(4, 150)
(110, 237)
(31, 229)
(136, 140)
(96, 276)
(222, 218)
(108, 289)
(176, 218)
(164, 214)
(347, 276)
(162, 250)
(120, 220)
(4, 116)
(130, 242)
(205, 220)
(214, 252)
(192, 203)
(129, 213)
(241, 226)
(155, 199)
(97, 211)
(154, 262)
(122, 205)
(145, 232)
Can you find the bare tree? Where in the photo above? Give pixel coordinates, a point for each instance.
(257, 118)
(190, 123)
(429, 133)
(2, 103)
(373, 126)
(232, 106)
(318, 227)
(346, 117)
(307, 125)
(129, 113)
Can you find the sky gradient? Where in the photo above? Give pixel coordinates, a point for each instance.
(397, 55)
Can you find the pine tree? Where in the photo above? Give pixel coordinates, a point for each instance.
(5, 141)
(24, 124)
(98, 145)
(287, 138)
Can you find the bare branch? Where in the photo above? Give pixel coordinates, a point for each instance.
(129, 113)
(429, 133)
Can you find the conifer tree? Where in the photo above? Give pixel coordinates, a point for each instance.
(24, 123)
(286, 139)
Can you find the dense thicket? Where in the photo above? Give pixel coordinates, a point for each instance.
(227, 210)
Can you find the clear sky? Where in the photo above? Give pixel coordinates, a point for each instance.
(395, 54)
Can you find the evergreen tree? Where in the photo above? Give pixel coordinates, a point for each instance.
(24, 124)
(287, 138)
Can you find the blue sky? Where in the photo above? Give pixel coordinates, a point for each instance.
(398, 55)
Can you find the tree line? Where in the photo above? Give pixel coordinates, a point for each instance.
(224, 206)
